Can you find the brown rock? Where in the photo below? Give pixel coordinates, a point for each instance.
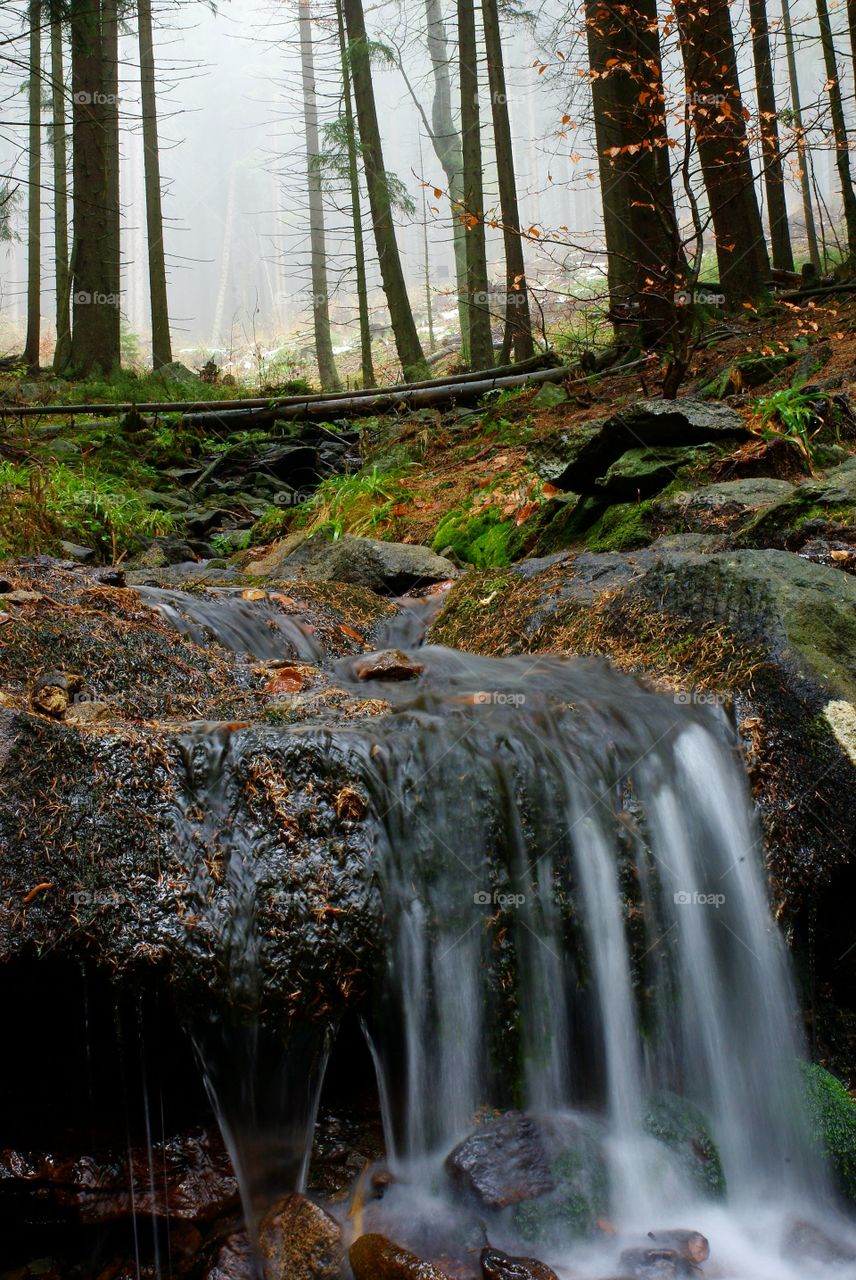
(651, 1263)
(391, 664)
(87, 712)
(374, 1257)
(503, 1162)
(53, 693)
(299, 1241)
(234, 1260)
(501, 1266)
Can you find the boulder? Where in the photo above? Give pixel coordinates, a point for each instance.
(299, 1241)
(808, 509)
(724, 505)
(641, 472)
(235, 1259)
(576, 457)
(81, 555)
(374, 1257)
(503, 1162)
(388, 568)
(501, 1266)
(390, 664)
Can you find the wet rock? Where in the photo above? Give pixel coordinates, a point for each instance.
(388, 568)
(72, 551)
(501, 1266)
(810, 508)
(573, 458)
(807, 1242)
(163, 551)
(299, 1241)
(374, 1257)
(724, 505)
(188, 1177)
(391, 664)
(692, 1246)
(835, 554)
(502, 1163)
(650, 1263)
(112, 577)
(54, 691)
(234, 1260)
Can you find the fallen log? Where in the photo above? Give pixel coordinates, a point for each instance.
(266, 402)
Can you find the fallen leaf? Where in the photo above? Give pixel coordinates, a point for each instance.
(286, 600)
(350, 632)
(286, 680)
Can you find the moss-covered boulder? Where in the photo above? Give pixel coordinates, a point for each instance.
(681, 1127)
(832, 1114)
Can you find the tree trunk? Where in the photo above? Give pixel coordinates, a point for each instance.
(62, 350)
(366, 361)
(774, 178)
(518, 320)
(472, 206)
(159, 302)
(839, 129)
(95, 330)
(802, 147)
(403, 326)
(627, 68)
(620, 270)
(716, 111)
(112, 247)
(32, 343)
(327, 371)
(446, 141)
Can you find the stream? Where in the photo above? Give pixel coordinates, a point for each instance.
(579, 960)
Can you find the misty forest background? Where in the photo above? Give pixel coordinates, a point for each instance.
(342, 192)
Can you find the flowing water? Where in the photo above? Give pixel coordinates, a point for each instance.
(577, 925)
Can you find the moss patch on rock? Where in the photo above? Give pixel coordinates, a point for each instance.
(832, 1114)
(681, 1127)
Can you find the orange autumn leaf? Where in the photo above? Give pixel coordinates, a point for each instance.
(350, 632)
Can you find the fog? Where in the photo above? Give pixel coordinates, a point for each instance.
(234, 173)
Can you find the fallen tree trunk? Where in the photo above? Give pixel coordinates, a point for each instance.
(267, 402)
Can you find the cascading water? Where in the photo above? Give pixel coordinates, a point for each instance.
(577, 924)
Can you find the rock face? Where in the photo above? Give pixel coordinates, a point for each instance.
(299, 1241)
(389, 568)
(503, 1162)
(725, 505)
(575, 458)
(374, 1257)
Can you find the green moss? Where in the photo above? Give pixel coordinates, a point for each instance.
(832, 1115)
(681, 1127)
(481, 538)
(275, 523)
(572, 1210)
(622, 527)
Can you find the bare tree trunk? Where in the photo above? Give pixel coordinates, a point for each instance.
(327, 371)
(802, 147)
(839, 129)
(112, 249)
(518, 320)
(716, 111)
(447, 145)
(472, 208)
(774, 178)
(62, 350)
(158, 299)
(615, 197)
(95, 330)
(366, 361)
(403, 326)
(627, 66)
(32, 343)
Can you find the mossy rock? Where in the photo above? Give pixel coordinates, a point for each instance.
(832, 1115)
(482, 538)
(581, 1197)
(622, 527)
(681, 1127)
